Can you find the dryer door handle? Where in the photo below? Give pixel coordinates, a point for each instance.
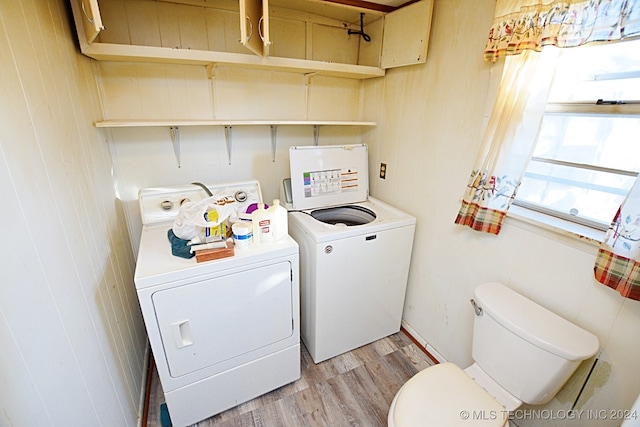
(181, 332)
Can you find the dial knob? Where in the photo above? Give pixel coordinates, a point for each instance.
(241, 196)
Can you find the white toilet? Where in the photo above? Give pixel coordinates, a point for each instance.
(633, 420)
(522, 353)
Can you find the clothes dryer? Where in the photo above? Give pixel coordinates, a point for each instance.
(355, 250)
(222, 332)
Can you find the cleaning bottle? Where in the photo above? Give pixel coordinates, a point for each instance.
(280, 221)
(262, 222)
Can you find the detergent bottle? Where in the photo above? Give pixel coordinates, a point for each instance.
(262, 222)
(280, 221)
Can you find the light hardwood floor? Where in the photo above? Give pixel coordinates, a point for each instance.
(353, 389)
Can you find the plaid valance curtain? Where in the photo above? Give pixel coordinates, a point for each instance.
(532, 24)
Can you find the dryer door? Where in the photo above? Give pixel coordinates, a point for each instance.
(205, 323)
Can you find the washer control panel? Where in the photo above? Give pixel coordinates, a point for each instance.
(329, 175)
(162, 204)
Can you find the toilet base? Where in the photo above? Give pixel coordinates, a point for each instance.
(508, 400)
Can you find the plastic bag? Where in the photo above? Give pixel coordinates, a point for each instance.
(190, 221)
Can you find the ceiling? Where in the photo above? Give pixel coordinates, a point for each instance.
(345, 10)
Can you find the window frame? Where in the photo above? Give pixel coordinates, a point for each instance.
(613, 108)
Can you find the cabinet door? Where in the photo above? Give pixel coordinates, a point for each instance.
(406, 35)
(91, 19)
(264, 28)
(254, 25)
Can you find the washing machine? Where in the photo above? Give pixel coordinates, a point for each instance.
(224, 331)
(355, 250)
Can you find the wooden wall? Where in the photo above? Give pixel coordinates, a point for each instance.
(431, 122)
(71, 334)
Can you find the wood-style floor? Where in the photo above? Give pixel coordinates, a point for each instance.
(353, 389)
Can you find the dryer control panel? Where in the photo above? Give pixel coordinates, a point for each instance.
(162, 204)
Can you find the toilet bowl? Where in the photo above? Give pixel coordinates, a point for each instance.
(522, 352)
(444, 395)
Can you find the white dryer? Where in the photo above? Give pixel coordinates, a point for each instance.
(355, 250)
(222, 332)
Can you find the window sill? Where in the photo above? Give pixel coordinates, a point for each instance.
(566, 228)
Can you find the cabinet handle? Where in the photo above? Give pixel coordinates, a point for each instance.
(250, 29)
(260, 25)
(84, 11)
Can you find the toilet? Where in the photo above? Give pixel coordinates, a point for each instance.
(522, 353)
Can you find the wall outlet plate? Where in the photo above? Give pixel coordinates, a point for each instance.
(383, 170)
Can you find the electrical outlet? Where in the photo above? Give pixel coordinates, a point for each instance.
(383, 170)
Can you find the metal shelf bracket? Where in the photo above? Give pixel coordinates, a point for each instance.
(228, 136)
(274, 137)
(175, 138)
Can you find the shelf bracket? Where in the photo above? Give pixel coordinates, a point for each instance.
(274, 137)
(228, 138)
(307, 88)
(316, 134)
(175, 138)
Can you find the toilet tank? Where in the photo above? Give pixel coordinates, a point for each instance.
(527, 349)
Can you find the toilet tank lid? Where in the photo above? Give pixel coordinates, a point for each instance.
(535, 323)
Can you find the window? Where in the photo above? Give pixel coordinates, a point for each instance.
(587, 153)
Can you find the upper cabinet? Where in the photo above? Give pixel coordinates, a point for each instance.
(91, 19)
(254, 26)
(305, 36)
(406, 35)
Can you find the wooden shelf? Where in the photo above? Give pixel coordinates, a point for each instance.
(178, 123)
(129, 53)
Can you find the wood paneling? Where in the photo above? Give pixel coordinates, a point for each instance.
(71, 334)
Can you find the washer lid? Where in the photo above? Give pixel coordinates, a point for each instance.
(329, 175)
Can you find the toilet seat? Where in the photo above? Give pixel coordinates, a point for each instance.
(444, 395)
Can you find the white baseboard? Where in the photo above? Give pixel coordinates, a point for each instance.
(428, 347)
(432, 351)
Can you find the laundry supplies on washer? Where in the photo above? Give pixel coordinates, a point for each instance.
(270, 224)
(179, 247)
(280, 221)
(242, 233)
(262, 220)
(205, 219)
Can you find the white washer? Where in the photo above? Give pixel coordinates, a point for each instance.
(222, 332)
(355, 251)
